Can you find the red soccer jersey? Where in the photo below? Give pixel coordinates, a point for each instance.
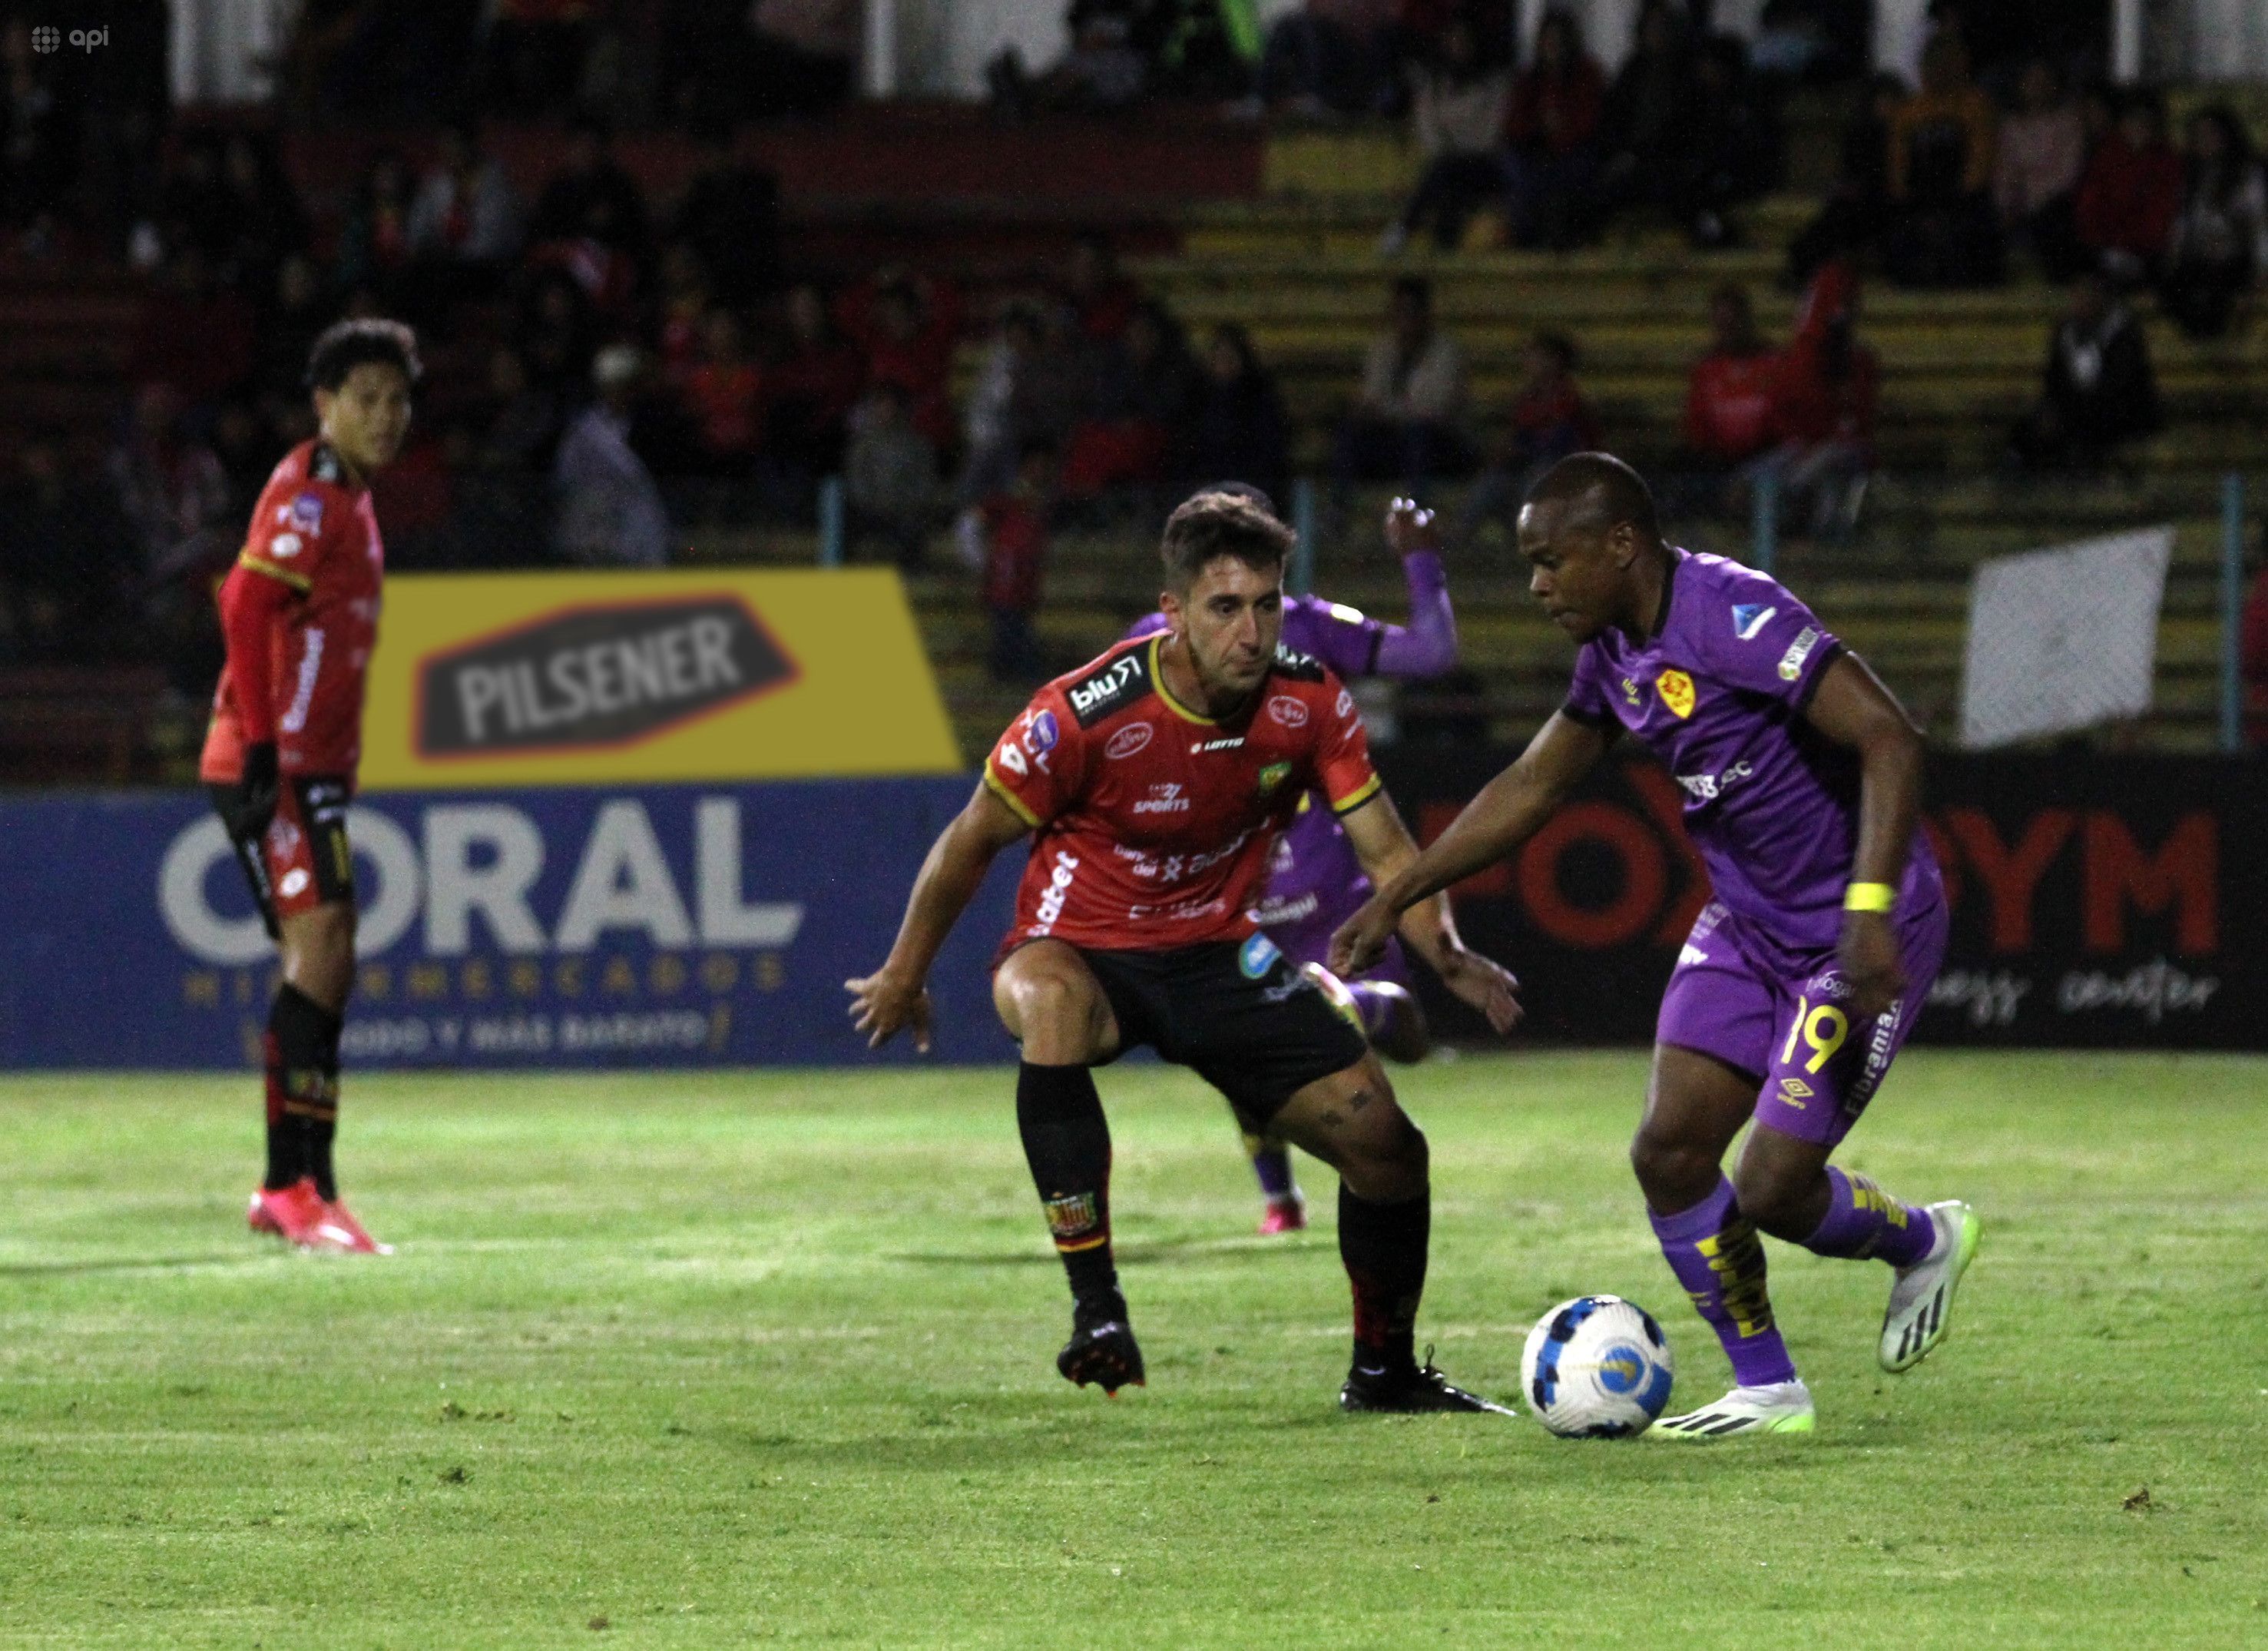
(313, 532)
(1155, 824)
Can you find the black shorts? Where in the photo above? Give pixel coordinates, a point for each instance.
(1238, 1013)
(303, 859)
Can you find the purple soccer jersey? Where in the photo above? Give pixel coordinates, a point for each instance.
(1315, 882)
(1718, 693)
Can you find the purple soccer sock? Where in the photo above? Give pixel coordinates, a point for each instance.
(1864, 1222)
(1272, 1164)
(1719, 1259)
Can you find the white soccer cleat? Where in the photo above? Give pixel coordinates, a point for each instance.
(1784, 1407)
(1921, 1299)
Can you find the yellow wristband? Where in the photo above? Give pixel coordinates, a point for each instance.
(1870, 897)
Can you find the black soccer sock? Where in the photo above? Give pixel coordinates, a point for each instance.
(1067, 1143)
(303, 1090)
(1383, 1249)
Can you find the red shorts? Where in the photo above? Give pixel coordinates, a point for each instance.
(303, 859)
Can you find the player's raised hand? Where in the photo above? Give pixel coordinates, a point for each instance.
(1410, 527)
(1869, 956)
(1486, 985)
(1361, 939)
(882, 1005)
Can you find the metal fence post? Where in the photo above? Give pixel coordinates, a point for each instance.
(1763, 523)
(1303, 525)
(2232, 612)
(830, 522)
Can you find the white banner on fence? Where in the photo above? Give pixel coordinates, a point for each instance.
(2063, 639)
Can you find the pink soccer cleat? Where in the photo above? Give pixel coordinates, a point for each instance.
(295, 1213)
(1284, 1215)
(342, 1232)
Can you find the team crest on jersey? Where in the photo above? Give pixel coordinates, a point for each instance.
(1257, 957)
(1272, 776)
(1676, 688)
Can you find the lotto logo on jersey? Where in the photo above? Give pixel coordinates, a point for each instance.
(606, 675)
(1287, 711)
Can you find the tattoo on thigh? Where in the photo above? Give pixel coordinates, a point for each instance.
(1332, 1120)
(1360, 1099)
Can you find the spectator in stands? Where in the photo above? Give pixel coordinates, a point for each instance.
(1645, 123)
(994, 431)
(1321, 59)
(907, 327)
(591, 195)
(465, 219)
(555, 334)
(1826, 394)
(1102, 67)
(63, 566)
(1237, 431)
(815, 383)
(1457, 114)
(1943, 233)
(1857, 210)
(1104, 299)
(607, 511)
(1731, 152)
(266, 223)
(169, 487)
(2098, 391)
(2132, 192)
(890, 476)
(1006, 534)
(1551, 129)
(297, 310)
(1729, 403)
(196, 335)
(724, 392)
(2221, 240)
(519, 421)
(1142, 395)
(730, 216)
(1409, 424)
(373, 247)
(2042, 152)
(1548, 420)
(803, 56)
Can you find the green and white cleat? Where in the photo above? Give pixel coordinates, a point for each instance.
(1784, 1407)
(1921, 1299)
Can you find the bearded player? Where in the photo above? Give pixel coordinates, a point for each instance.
(1154, 782)
(1800, 980)
(299, 611)
(1315, 881)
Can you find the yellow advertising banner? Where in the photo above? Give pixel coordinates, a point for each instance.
(495, 680)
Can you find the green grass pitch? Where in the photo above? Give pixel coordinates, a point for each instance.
(723, 1359)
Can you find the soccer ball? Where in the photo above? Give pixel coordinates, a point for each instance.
(1596, 1367)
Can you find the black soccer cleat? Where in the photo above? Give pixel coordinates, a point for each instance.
(1409, 1390)
(1103, 1352)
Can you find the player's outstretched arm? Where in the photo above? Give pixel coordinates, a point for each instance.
(896, 995)
(1427, 646)
(1854, 708)
(1508, 812)
(1383, 845)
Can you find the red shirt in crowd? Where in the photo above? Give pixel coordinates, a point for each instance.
(1728, 405)
(1015, 552)
(2129, 197)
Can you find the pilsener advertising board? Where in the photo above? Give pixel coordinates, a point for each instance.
(495, 682)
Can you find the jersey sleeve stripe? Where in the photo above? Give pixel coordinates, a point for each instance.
(262, 564)
(1015, 803)
(1360, 795)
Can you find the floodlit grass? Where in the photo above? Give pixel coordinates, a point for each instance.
(693, 1361)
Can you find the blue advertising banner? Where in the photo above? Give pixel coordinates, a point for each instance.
(681, 925)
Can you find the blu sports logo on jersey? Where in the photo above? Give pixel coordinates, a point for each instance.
(1128, 739)
(1676, 688)
(607, 675)
(1749, 618)
(1791, 663)
(1165, 798)
(1287, 711)
(1256, 957)
(1105, 685)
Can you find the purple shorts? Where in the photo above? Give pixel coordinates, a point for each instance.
(1779, 1016)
